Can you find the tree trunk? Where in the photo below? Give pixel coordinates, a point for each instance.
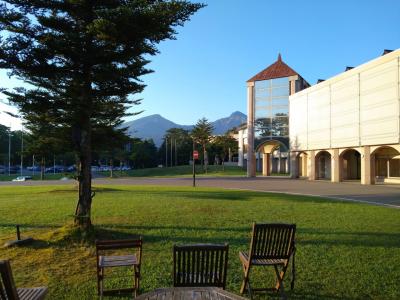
(83, 209)
(42, 166)
(111, 168)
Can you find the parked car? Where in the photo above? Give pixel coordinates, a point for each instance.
(71, 168)
(22, 178)
(56, 169)
(35, 168)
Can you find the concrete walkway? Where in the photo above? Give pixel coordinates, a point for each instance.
(385, 195)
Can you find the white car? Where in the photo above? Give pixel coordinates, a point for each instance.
(22, 178)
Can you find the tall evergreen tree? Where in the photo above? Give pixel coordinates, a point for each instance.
(201, 134)
(81, 60)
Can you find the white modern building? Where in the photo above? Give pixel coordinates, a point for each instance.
(348, 127)
(344, 128)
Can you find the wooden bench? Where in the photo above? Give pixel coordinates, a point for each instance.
(8, 291)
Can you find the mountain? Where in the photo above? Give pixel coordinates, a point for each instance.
(223, 125)
(155, 126)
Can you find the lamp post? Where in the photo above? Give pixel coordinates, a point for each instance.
(166, 152)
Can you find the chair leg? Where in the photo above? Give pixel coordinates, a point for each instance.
(98, 281)
(101, 283)
(250, 289)
(136, 280)
(281, 275)
(245, 279)
(279, 284)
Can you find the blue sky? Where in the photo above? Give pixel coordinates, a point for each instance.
(203, 73)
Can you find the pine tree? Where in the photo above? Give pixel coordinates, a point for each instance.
(201, 134)
(81, 60)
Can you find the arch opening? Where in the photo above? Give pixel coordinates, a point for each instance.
(272, 158)
(323, 165)
(301, 161)
(386, 163)
(350, 165)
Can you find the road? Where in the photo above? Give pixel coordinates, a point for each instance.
(385, 195)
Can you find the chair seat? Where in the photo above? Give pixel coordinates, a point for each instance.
(261, 261)
(117, 261)
(36, 293)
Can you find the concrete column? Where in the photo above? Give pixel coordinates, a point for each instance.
(287, 163)
(251, 170)
(294, 172)
(367, 174)
(311, 165)
(279, 163)
(265, 167)
(304, 165)
(335, 166)
(241, 149)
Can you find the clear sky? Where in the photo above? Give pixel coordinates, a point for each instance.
(203, 73)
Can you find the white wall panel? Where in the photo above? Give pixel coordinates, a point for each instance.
(319, 119)
(345, 112)
(356, 108)
(298, 123)
(379, 104)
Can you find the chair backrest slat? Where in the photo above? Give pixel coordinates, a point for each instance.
(7, 285)
(200, 265)
(118, 244)
(272, 241)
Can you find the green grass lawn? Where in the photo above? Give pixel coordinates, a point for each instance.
(344, 250)
(181, 171)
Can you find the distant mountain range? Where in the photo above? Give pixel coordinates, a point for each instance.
(155, 126)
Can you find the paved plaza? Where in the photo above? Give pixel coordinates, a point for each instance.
(386, 195)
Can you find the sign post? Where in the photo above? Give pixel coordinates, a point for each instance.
(195, 156)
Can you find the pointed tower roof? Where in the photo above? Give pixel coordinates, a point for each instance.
(276, 70)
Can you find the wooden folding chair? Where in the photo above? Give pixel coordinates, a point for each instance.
(270, 245)
(8, 291)
(200, 265)
(133, 259)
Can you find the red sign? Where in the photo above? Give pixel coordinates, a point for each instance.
(195, 154)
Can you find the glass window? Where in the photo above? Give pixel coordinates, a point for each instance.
(263, 93)
(262, 127)
(262, 98)
(280, 101)
(280, 126)
(280, 91)
(280, 111)
(284, 81)
(263, 84)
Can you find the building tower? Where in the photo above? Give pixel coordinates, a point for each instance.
(268, 118)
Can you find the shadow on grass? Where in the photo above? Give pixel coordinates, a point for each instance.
(239, 236)
(350, 238)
